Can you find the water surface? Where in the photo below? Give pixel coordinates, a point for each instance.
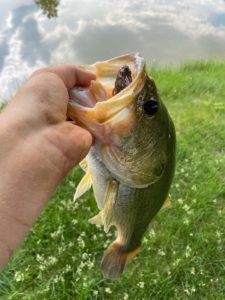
(164, 32)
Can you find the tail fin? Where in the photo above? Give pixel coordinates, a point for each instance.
(115, 259)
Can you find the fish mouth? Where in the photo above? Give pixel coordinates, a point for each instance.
(98, 107)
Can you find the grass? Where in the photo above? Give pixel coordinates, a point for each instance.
(183, 253)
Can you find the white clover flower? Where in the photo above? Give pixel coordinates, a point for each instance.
(188, 251)
(58, 278)
(70, 245)
(84, 255)
(145, 240)
(109, 234)
(53, 234)
(193, 271)
(187, 291)
(74, 221)
(72, 184)
(152, 232)
(176, 262)
(42, 267)
(125, 296)
(52, 260)
(61, 249)
(94, 237)
(190, 212)
(194, 187)
(75, 205)
(162, 253)
(39, 258)
(90, 264)
(141, 284)
(186, 221)
(47, 289)
(180, 201)
(95, 293)
(108, 290)
(81, 242)
(186, 207)
(58, 232)
(68, 268)
(106, 244)
(82, 265)
(218, 233)
(19, 276)
(168, 272)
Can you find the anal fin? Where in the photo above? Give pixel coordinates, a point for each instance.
(96, 219)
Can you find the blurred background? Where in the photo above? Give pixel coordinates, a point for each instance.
(36, 33)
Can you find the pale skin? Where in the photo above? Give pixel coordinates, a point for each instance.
(38, 148)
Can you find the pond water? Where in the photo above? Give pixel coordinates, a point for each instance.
(164, 32)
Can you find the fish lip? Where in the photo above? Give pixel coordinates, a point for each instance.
(103, 112)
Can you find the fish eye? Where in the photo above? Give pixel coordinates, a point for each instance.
(150, 107)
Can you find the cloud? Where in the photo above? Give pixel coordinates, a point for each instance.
(165, 31)
(33, 48)
(4, 50)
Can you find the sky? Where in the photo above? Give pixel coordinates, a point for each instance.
(163, 31)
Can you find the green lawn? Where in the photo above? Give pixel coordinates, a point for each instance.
(183, 253)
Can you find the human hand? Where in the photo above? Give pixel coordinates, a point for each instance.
(38, 148)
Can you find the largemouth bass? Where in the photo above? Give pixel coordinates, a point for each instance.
(131, 163)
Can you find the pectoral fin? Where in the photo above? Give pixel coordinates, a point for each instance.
(83, 186)
(109, 201)
(167, 203)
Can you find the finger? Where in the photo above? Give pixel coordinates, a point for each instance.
(71, 75)
(67, 144)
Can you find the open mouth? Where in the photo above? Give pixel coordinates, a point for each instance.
(97, 92)
(118, 81)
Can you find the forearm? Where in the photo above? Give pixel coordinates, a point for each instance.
(23, 192)
(32, 164)
(37, 149)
